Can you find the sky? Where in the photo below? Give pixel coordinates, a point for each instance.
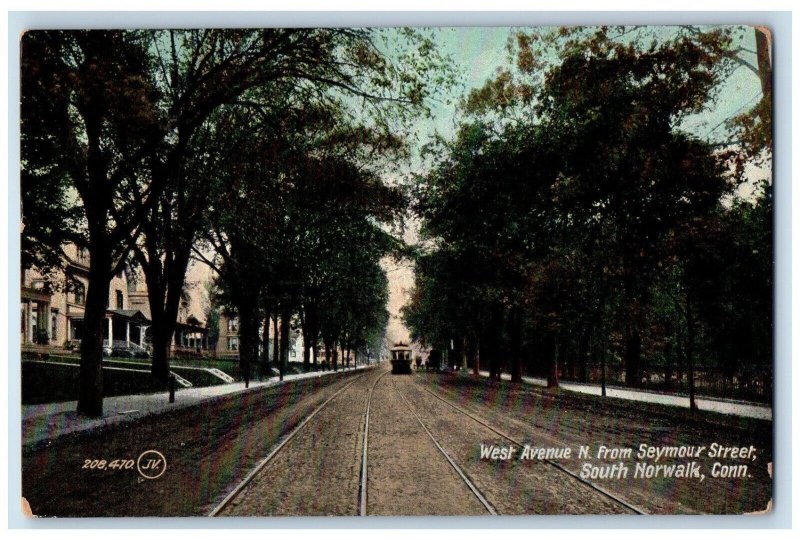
(477, 54)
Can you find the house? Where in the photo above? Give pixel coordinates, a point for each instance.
(52, 310)
(191, 334)
(228, 342)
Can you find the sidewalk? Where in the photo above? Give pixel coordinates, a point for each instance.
(52, 420)
(704, 403)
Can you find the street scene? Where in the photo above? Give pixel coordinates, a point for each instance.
(396, 271)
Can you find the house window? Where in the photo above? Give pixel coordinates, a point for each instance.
(76, 329)
(54, 324)
(38, 285)
(232, 325)
(78, 292)
(120, 303)
(233, 343)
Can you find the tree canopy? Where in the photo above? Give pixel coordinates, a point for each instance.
(574, 218)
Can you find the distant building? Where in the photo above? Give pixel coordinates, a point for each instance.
(228, 342)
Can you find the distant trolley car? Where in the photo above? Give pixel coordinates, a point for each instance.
(401, 358)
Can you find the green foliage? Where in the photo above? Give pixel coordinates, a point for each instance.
(41, 337)
(572, 214)
(299, 214)
(212, 323)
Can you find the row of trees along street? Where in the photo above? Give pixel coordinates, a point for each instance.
(573, 223)
(260, 152)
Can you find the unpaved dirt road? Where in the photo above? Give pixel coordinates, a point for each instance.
(423, 455)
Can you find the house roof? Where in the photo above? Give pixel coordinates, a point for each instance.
(130, 314)
(188, 325)
(29, 293)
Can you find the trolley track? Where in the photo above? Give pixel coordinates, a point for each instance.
(219, 508)
(608, 494)
(362, 492)
(362, 466)
(475, 491)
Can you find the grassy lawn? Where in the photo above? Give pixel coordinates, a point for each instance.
(49, 383)
(57, 380)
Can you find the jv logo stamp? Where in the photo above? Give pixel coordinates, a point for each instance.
(151, 464)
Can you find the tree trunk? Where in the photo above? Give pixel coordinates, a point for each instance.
(161, 346)
(516, 345)
(690, 355)
(603, 371)
(169, 320)
(668, 364)
(161, 343)
(633, 353)
(681, 361)
(286, 317)
(276, 345)
(583, 352)
(327, 345)
(165, 281)
(563, 355)
(489, 353)
(552, 375)
(764, 61)
(90, 390)
(264, 363)
(309, 326)
(247, 311)
(306, 353)
(491, 342)
(476, 362)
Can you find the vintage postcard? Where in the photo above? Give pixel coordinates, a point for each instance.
(398, 271)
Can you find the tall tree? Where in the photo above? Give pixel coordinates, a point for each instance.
(99, 106)
(201, 71)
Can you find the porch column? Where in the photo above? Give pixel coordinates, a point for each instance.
(26, 321)
(141, 335)
(128, 333)
(28, 325)
(44, 313)
(110, 333)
